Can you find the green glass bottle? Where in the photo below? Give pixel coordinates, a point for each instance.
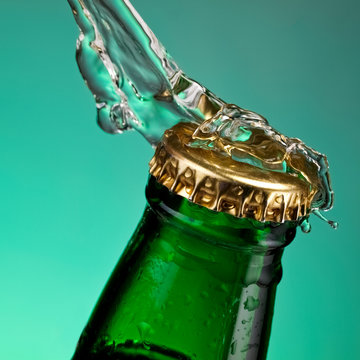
(191, 284)
(198, 278)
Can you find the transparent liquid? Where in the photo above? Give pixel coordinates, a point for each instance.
(137, 85)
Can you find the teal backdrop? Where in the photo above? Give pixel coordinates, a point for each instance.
(71, 195)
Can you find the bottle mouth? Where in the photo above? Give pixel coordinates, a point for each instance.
(209, 167)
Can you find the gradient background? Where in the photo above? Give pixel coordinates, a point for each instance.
(71, 195)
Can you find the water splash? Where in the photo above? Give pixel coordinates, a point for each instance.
(247, 137)
(137, 85)
(135, 82)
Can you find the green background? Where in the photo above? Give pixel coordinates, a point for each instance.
(71, 195)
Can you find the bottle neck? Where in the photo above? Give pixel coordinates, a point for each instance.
(217, 227)
(241, 256)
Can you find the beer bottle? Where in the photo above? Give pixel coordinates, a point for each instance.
(197, 280)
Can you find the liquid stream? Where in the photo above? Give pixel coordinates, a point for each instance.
(137, 85)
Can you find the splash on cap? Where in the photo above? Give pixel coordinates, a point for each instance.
(235, 162)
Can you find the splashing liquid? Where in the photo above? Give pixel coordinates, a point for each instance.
(137, 85)
(135, 82)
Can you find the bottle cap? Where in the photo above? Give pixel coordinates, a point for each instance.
(237, 164)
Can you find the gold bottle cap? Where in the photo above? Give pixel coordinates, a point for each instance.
(254, 177)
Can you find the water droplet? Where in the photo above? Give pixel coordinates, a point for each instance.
(233, 347)
(204, 294)
(251, 303)
(305, 226)
(332, 223)
(145, 330)
(224, 288)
